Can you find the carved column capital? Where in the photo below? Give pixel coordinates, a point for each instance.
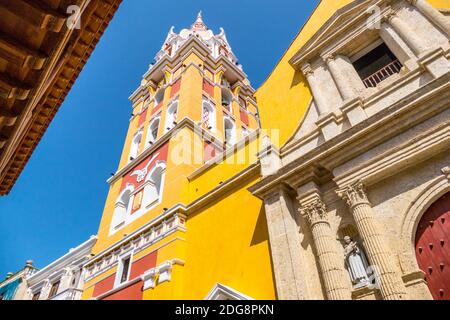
(307, 70)
(314, 211)
(328, 58)
(354, 194)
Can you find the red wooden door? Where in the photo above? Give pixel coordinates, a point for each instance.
(433, 247)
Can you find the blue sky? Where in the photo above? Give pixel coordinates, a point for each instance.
(58, 200)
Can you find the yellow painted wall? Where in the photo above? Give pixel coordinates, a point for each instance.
(227, 242)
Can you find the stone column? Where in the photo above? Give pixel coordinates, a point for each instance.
(433, 14)
(330, 260)
(406, 33)
(343, 83)
(390, 281)
(314, 84)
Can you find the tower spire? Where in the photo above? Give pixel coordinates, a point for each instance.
(199, 24)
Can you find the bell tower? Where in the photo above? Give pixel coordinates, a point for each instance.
(193, 104)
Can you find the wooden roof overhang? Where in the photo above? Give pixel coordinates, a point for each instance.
(41, 56)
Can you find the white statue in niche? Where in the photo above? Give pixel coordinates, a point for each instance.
(356, 262)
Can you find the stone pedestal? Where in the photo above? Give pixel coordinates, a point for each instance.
(328, 124)
(354, 111)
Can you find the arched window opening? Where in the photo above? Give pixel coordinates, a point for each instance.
(152, 134)
(225, 83)
(227, 99)
(159, 96)
(134, 150)
(122, 207)
(171, 117)
(154, 184)
(230, 132)
(208, 116)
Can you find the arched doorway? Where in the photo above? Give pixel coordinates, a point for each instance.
(433, 247)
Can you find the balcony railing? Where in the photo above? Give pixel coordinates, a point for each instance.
(68, 294)
(389, 70)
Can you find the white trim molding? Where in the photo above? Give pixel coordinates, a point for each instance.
(160, 274)
(222, 292)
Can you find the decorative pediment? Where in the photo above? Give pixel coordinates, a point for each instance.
(350, 19)
(222, 292)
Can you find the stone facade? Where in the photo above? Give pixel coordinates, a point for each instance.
(367, 161)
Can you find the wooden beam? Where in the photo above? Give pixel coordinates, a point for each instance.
(19, 54)
(3, 141)
(13, 89)
(38, 13)
(9, 116)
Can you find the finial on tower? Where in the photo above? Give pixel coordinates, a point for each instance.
(199, 24)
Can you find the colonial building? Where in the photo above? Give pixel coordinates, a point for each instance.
(63, 279)
(44, 45)
(14, 286)
(357, 197)
(331, 181)
(174, 224)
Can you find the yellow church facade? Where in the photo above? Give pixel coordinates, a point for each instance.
(190, 212)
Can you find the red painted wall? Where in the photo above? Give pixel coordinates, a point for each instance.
(175, 88)
(244, 116)
(157, 108)
(133, 292)
(104, 285)
(208, 88)
(142, 265)
(142, 117)
(210, 151)
(162, 156)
